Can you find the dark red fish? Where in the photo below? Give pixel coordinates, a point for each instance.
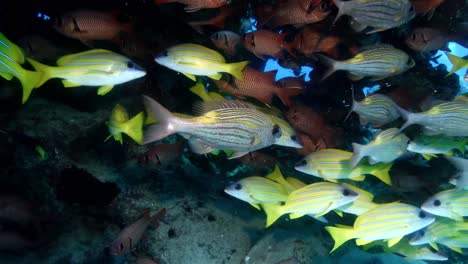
(267, 43)
(217, 21)
(131, 235)
(259, 85)
(309, 145)
(427, 39)
(88, 25)
(195, 5)
(162, 154)
(258, 160)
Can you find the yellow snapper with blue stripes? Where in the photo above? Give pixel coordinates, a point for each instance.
(224, 125)
(119, 124)
(450, 203)
(449, 118)
(10, 59)
(362, 204)
(442, 228)
(378, 62)
(455, 243)
(387, 146)
(378, 14)
(430, 146)
(195, 60)
(387, 222)
(95, 67)
(333, 165)
(315, 199)
(410, 252)
(377, 109)
(460, 179)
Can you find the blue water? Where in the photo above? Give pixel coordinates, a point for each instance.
(457, 50)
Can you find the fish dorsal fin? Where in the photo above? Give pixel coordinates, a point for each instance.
(201, 108)
(67, 59)
(375, 46)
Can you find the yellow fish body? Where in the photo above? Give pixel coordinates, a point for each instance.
(119, 124)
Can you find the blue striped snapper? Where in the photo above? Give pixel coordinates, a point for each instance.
(448, 118)
(119, 123)
(378, 14)
(362, 204)
(95, 67)
(410, 252)
(333, 164)
(387, 146)
(224, 125)
(11, 49)
(387, 222)
(430, 146)
(195, 60)
(455, 243)
(377, 62)
(377, 109)
(441, 229)
(450, 203)
(315, 199)
(460, 179)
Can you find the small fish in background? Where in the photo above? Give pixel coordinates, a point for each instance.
(195, 5)
(430, 146)
(379, 15)
(440, 229)
(460, 179)
(426, 7)
(195, 60)
(130, 236)
(359, 206)
(449, 203)
(216, 21)
(40, 48)
(265, 42)
(424, 39)
(96, 67)
(455, 243)
(258, 85)
(457, 63)
(119, 123)
(400, 219)
(227, 41)
(333, 164)
(89, 25)
(387, 146)
(448, 118)
(316, 199)
(377, 62)
(162, 154)
(409, 252)
(294, 12)
(376, 109)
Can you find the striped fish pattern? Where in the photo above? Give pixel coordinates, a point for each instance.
(448, 118)
(452, 203)
(377, 109)
(333, 164)
(440, 229)
(378, 14)
(386, 147)
(438, 144)
(196, 60)
(389, 221)
(362, 204)
(11, 50)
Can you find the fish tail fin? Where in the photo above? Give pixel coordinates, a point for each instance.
(457, 63)
(357, 156)
(199, 89)
(383, 173)
(329, 63)
(236, 69)
(353, 104)
(29, 81)
(286, 93)
(273, 212)
(162, 129)
(408, 116)
(340, 235)
(134, 128)
(47, 71)
(155, 219)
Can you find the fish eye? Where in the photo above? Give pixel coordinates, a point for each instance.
(437, 202)
(238, 186)
(294, 138)
(346, 192)
(302, 163)
(130, 65)
(276, 132)
(422, 215)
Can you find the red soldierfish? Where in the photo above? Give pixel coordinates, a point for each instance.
(228, 41)
(259, 85)
(88, 25)
(131, 235)
(217, 21)
(162, 154)
(195, 5)
(427, 39)
(267, 43)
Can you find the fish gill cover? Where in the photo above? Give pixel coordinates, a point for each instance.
(214, 131)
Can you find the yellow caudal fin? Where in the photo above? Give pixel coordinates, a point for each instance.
(340, 235)
(457, 63)
(273, 212)
(45, 70)
(382, 173)
(134, 128)
(236, 69)
(29, 81)
(200, 90)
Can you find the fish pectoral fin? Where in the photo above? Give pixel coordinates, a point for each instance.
(428, 156)
(457, 216)
(256, 206)
(103, 90)
(331, 180)
(200, 147)
(191, 76)
(393, 241)
(6, 76)
(330, 204)
(456, 249)
(340, 213)
(216, 76)
(361, 242)
(434, 245)
(237, 154)
(68, 84)
(295, 215)
(359, 178)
